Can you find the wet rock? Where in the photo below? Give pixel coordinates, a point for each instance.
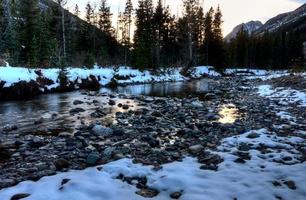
(77, 102)
(125, 107)
(175, 195)
(148, 193)
(112, 102)
(102, 131)
(76, 110)
(61, 164)
(196, 148)
(92, 158)
(20, 196)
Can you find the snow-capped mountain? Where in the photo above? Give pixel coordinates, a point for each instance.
(250, 27)
(295, 20)
(291, 20)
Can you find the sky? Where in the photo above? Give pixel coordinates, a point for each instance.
(234, 11)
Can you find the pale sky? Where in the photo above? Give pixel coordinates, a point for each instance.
(234, 11)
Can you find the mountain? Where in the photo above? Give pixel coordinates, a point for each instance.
(290, 21)
(250, 27)
(295, 20)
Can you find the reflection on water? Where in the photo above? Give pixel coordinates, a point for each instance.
(228, 114)
(175, 89)
(53, 110)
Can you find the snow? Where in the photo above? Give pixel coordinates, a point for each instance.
(12, 75)
(282, 95)
(252, 180)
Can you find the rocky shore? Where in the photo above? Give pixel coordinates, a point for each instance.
(150, 130)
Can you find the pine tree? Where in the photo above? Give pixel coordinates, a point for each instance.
(76, 10)
(105, 18)
(144, 35)
(30, 36)
(218, 57)
(208, 35)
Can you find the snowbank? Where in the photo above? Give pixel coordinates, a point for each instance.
(266, 175)
(12, 75)
(282, 95)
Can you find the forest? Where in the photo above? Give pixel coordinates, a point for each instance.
(42, 33)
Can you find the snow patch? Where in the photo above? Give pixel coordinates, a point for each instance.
(282, 95)
(255, 179)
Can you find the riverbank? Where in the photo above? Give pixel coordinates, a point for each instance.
(237, 127)
(19, 83)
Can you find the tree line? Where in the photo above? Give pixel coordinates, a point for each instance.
(42, 33)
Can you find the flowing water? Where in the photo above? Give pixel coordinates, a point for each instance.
(51, 111)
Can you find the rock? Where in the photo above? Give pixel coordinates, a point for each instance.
(239, 160)
(108, 152)
(111, 102)
(253, 135)
(290, 185)
(9, 128)
(125, 107)
(77, 102)
(76, 110)
(61, 164)
(92, 158)
(147, 193)
(120, 105)
(64, 181)
(65, 134)
(118, 131)
(196, 148)
(4, 154)
(39, 121)
(151, 141)
(36, 142)
(209, 167)
(212, 116)
(197, 104)
(20, 196)
(175, 195)
(102, 131)
(244, 147)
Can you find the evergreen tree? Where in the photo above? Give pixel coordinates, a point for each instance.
(144, 35)
(208, 35)
(76, 10)
(218, 57)
(31, 29)
(105, 18)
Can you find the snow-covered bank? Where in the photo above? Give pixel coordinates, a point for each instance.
(282, 95)
(18, 82)
(125, 75)
(256, 166)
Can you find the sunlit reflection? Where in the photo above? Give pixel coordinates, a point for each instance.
(228, 114)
